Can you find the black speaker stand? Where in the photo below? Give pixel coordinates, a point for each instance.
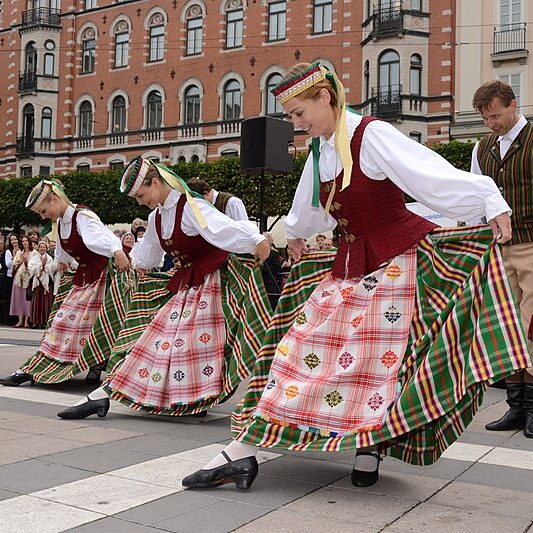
(261, 215)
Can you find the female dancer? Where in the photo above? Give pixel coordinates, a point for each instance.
(192, 335)
(86, 318)
(389, 351)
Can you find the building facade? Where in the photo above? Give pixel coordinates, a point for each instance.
(493, 43)
(90, 84)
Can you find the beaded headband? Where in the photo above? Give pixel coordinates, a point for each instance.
(298, 83)
(134, 175)
(38, 194)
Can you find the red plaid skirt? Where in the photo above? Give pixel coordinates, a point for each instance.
(70, 329)
(335, 371)
(179, 359)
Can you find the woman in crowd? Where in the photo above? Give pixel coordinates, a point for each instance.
(21, 305)
(88, 313)
(207, 314)
(388, 354)
(42, 269)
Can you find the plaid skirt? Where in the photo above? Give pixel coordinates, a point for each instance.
(182, 353)
(464, 331)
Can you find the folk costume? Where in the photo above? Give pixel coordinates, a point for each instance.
(192, 334)
(42, 274)
(391, 348)
(91, 304)
(508, 159)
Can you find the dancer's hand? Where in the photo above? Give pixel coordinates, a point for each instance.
(501, 227)
(262, 251)
(121, 261)
(141, 271)
(296, 248)
(62, 267)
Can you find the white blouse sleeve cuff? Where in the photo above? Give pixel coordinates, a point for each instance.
(496, 205)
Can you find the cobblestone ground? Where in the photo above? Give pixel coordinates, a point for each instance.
(123, 474)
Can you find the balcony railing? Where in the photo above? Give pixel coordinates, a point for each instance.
(509, 38)
(230, 126)
(117, 139)
(25, 146)
(388, 20)
(387, 101)
(41, 16)
(152, 135)
(27, 82)
(189, 130)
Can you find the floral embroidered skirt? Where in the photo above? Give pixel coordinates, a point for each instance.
(182, 353)
(381, 361)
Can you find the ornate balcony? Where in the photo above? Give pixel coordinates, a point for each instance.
(27, 82)
(387, 20)
(387, 102)
(25, 146)
(509, 42)
(152, 135)
(39, 17)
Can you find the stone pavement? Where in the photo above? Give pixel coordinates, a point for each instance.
(123, 474)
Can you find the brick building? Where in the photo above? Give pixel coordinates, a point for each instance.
(91, 84)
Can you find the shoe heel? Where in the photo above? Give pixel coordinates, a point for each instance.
(101, 412)
(32, 382)
(244, 481)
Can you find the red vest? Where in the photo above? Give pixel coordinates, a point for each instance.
(373, 223)
(91, 265)
(197, 257)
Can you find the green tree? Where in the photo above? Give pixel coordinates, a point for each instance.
(457, 153)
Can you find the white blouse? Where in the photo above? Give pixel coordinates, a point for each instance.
(233, 236)
(235, 208)
(417, 170)
(95, 235)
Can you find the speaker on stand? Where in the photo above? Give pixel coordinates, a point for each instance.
(264, 148)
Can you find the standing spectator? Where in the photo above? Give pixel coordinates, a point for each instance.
(3, 282)
(34, 237)
(506, 155)
(139, 232)
(20, 306)
(13, 246)
(225, 202)
(42, 269)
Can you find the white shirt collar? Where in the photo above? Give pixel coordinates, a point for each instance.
(352, 121)
(215, 194)
(513, 133)
(67, 216)
(171, 200)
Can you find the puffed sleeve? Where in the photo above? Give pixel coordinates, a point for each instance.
(147, 252)
(96, 236)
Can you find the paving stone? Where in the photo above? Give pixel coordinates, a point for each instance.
(44, 426)
(29, 409)
(96, 435)
(7, 434)
(161, 445)
(443, 468)
(113, 525)
(8, 416)
(7, 494)
(484, 416)
(32, 475)
(481, 498)
(486, 438)
(519, 442)
(431, 517)
(499, 476)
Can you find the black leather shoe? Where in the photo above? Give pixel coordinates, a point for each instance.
(14, 380)
(528, 410)
(510, 420)
(93, 376)
(362, 478)
(90, 407)
(241, 472)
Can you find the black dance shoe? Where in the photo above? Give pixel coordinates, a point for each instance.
(241, 472)
(93, 376)
(362, 478)
(16, 379)
(90, 407)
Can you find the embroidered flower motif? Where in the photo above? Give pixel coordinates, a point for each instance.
(178, 343)
(271, 384)
(283, 349)
(67, 340)
(166, 345)
(157, 377)
(292, 391)
(157, 343)
(389, 358)
(202, 304)
(143, 373)
(179, 375)
(204, 337)
(375, 401)
(83, 341)
(72, 317)
(208, 370)
(326, 293)
(186, 313)
(345, 360)
(85, 316)
(346, 292)
(392, 314)
(60, 314)
(312, 360)
(334, 398)
(301, 319)
(173, 315)
(357, 320)
(370, 282)
(393, 271)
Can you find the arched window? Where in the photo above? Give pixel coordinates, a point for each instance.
(192, 105)
(229, 154)
(181, 159)
(46, 123)
(232, 100)
(49, 58)
(88, 50)
(366, 80)
(234, 23)
(122, 43)
(415, 75)
(86, 119)
(195, 159)
(157, 37)
(154, 110)
(272, 106)
(389, 71)
(118, 115)
(30, 58)
(28, 122)
(195, 24)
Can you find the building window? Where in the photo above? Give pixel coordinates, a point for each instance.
(510, 14)
(195, 159)
(194, 31)
(389, 71)
(86, 119)
(28, 122)
(46, 123)
(277, 21)
(366, 80)
(83, 168)
(234, 24)
(88, 51)
(192, 105)
(415, 75)
(157, 37)
(116, 165)
(154, 159)
(26, 171)
(154, 111)
(181, 159)
(49, 60)
(322, 16)
(30, 58)
(89, 4)
(416, 5)
(229, 154)
(514, 81)
(416, 136)
(118, 115)
(272, 106)
(122, 44)
(44, 171)
(232, 100)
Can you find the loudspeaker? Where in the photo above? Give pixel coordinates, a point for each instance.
(265, 145)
